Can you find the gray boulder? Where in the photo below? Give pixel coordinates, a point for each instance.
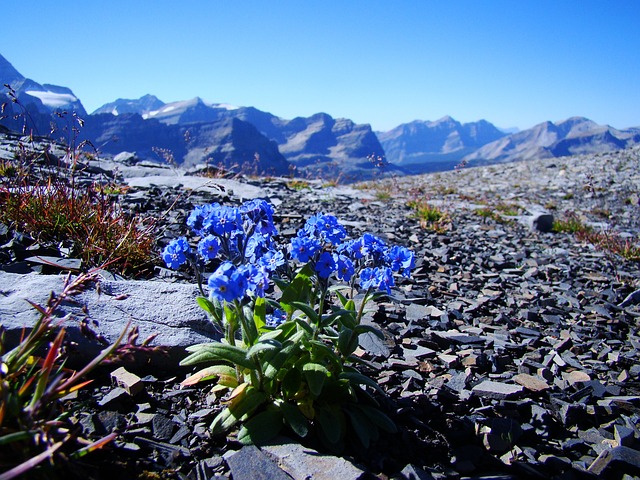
(167, 310)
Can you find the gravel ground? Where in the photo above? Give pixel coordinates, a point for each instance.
(511, 353)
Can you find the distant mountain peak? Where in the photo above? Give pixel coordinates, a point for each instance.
(8, 74)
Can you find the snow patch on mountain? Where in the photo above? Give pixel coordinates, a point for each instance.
(52, 99)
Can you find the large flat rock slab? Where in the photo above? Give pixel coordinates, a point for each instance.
(167, 310)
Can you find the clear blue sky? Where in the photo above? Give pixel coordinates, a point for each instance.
(515, 63)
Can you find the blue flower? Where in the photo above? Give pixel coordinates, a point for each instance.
(271, 260)
(375, 247)
(326, 228)
(303, 248)
(198, 215)
(175, 253)
(226, 283)
(256, 246)
(259, 214)
(325, 265)
(257, 279)
(276, 318)
(367, 278)
(401, 259)
(344, 267)
(223, 220)
(384, 279)
(379, 278)
(209, 247)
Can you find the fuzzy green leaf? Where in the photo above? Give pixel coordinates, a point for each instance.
(381, 420)
(264, 346)
(241, 406)
(260, 313)
(291, 383)
(363, 427)
(357, 378)
(347, 342)
(360, 329)
(295, 419)
(311, 314)
(298, 290)
(331, 423)
(315, 375)
(261, 428)
(215, 352)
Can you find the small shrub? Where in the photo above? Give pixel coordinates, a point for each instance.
(100, 232)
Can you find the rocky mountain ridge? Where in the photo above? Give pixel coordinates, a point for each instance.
(423, 146)
(250, 140)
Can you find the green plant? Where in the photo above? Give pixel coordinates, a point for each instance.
(571, 223)
(611, 242)
(34, 426)
(288, 361)
(298, 184)
(99, 230)
(430, 216)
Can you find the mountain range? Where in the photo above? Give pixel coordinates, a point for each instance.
(193, 132)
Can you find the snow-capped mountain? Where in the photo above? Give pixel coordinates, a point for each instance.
(142, 105)
(32, 95)
(318, 145)
(199, 131)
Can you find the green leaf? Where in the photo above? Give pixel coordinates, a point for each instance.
(311, 314)
(360, 329)
(213, 352)
(270, 334)
(307, 328)
(357, 378)
(381, 420)
(331, 423)
(260, 313)
(242, 405)
(17, 436)
(211, 308)
(347, 342)
(225, 374)
(321, 351)
(275, 363)
(295, 419)
(341, 297)
(297, 290)
(315, 375)
(264, 346)
(363, 427)
(249, 329)
(261, 428)
(291, 383)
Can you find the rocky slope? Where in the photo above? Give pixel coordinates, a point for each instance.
(510, 353)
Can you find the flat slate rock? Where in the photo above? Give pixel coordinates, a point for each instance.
(249, 463)
(168, 310)
(303, 463)
(497, 390)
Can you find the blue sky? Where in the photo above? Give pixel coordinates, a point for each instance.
(515, 63)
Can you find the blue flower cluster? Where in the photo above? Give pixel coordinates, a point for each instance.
(240, 236)
(243, 239)
(321, 242)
